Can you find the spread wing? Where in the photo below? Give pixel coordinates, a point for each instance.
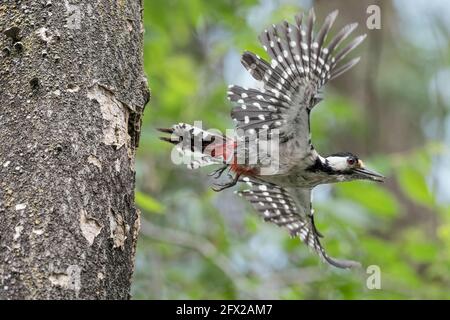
(291, 209)
(301, 63)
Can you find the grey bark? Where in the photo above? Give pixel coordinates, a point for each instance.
(72, 92)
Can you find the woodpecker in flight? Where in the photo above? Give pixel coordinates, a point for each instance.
(280, 181)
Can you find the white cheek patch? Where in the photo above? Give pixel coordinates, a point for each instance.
(338, 163)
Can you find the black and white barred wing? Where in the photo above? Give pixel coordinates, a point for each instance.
(301, 63)
(290, 209)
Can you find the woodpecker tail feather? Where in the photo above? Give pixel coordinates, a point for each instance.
(197, 146)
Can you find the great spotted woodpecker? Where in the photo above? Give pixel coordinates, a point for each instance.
(286, 166)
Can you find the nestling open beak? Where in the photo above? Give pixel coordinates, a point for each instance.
(367, 174)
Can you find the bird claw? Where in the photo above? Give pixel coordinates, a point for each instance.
(217, 173)
(220, 187)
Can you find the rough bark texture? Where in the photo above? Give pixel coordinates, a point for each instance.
(72, 92)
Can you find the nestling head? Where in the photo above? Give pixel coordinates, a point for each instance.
(348, 164)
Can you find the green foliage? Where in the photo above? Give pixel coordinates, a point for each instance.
(374, 198)
(414, 185)
(147, 203)
(212, 246)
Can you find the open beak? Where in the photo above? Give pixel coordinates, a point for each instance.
(367, 174)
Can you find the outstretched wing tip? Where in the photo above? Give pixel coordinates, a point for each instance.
(288, 209)
(343, 264)
(334, 13)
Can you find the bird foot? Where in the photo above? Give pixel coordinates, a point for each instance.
(219, 187)
(217, 173)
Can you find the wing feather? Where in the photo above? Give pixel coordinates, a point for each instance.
(290, 209)
(301, 64)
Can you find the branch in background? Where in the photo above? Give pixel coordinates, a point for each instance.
(270, 284)
(202, 246)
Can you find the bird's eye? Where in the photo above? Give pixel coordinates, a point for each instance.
(351, 161)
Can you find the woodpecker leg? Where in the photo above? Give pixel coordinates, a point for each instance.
(217, 173)
(220, 187)
(229, 175)
(311, 216)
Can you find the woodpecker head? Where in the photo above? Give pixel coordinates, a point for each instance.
(351, 167)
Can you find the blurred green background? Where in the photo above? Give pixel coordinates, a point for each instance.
(392, 110)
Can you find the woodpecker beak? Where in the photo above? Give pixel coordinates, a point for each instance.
(367, 174)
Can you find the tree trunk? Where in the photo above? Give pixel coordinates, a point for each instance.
(72, 93)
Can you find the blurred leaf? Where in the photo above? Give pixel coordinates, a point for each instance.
(371, 196)
(381, 253)
(422, 252)
(252, 223)
(148, 204)
(418, 247)
(413, 184)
